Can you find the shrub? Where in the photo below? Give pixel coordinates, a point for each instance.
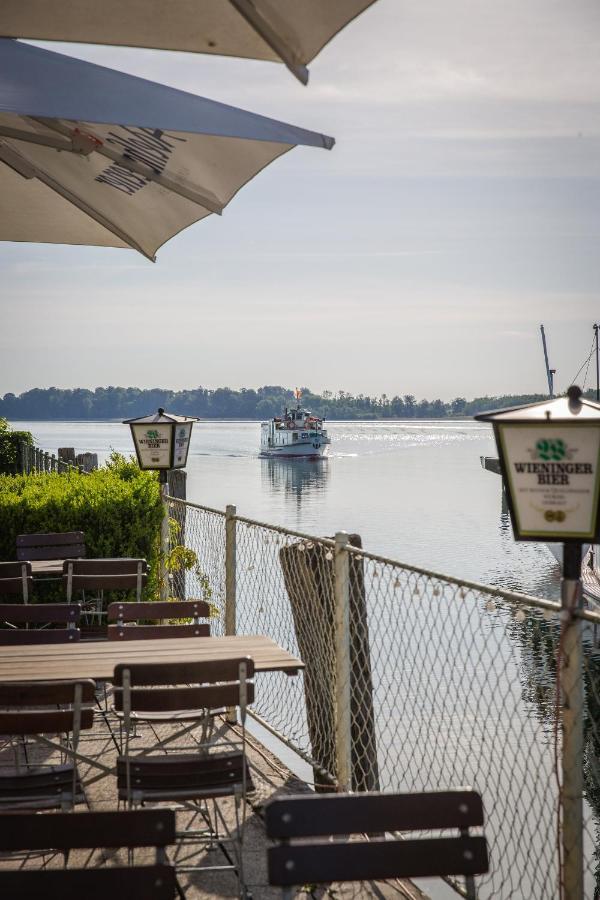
(9, 447)
(117, 507)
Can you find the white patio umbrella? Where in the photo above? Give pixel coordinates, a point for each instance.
(288, 31)
(89, 155)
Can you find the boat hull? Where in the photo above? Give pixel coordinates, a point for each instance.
(312, 450)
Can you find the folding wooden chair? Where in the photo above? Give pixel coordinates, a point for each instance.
(15, 578)
(126, 613)
(103, 575)
(29, 711)
(39, 614)
(185, 695)
(54, 545)
(314, 820)
(68, 832)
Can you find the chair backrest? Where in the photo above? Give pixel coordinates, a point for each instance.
(56, 545)
(33, 707)
(121, 613)
(104, 574)
(177, 686)
(86, 830)
(15, 578)
(323, 816)
(66, 614)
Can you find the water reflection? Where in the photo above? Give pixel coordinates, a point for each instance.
(295, 479)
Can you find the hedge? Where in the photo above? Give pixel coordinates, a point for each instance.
(118, 508)
(9, 447)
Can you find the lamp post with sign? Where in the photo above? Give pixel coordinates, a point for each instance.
(550, 462)
(162, 443)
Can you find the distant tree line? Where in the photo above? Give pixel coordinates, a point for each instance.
(247, 403)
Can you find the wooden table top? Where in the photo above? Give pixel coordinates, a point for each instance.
(97, 659)
(41, 567)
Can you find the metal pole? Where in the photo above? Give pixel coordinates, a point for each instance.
(230, 570)
(571, 679)
(343, 714)
(165, 538)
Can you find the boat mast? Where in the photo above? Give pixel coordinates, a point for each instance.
(550, 373)
(597, 367)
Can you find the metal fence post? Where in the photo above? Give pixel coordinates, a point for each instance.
(571, 677)
(165, 541)
(230, 570)
(343, 714)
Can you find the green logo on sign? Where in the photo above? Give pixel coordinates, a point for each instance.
(152, 435)
(551, 450)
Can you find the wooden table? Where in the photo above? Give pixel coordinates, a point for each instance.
(97, 659)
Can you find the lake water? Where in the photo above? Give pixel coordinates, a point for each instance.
(414, 490)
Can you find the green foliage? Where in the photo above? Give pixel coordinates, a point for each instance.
(9, 446)
(184, 559)
(118, 509)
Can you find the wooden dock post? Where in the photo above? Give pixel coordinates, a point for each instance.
(309, 581)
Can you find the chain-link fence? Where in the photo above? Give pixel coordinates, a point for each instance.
(430, 683)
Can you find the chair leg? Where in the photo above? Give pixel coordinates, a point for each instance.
(470, 887)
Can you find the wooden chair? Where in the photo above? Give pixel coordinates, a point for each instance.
(67, 832)
(65, 614)
(314, 820)
(56, 545)
(185, 694)
(125, 613)
(28, 712)
(103, 575)
(16, 578)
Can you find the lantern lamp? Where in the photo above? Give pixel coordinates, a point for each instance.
(161, 441)
(550, 461)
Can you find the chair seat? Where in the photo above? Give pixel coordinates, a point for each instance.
(179, 776)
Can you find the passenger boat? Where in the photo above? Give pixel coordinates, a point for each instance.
(296, 433)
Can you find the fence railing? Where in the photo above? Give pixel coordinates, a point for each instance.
(413, 681)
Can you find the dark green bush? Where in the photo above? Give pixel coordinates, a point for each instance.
(9, 447)
(118, 508)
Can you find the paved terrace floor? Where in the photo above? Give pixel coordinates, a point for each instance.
(270, 777)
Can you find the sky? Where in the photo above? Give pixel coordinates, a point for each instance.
(459, 209)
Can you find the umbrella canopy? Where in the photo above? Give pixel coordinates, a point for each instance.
(288, 31)
(137, 161)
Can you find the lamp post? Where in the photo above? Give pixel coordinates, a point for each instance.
(162, 443)
(550, 461)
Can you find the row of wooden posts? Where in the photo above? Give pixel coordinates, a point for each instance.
(34, 460)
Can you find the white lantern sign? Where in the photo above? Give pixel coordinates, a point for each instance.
(161, 441)
(550, 460)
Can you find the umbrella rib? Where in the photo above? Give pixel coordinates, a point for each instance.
(73, 198)
(270, 36)
(206, 199)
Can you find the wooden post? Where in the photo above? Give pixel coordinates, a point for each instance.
(571, 677)
(230, 570)
(177, 479)
(309, 581)
(343, 688)
(165, 542)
